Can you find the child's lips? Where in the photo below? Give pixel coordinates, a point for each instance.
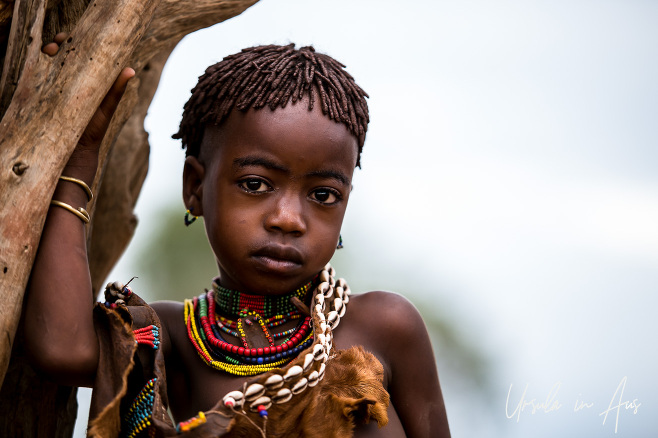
(278, 258)
(277, 265)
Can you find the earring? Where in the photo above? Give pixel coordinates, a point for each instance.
(189, 221)
(340, 242)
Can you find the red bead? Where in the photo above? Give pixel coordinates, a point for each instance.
(259, 352)
(266, 350)
(234, 349)
(241, 351)
(279, 349)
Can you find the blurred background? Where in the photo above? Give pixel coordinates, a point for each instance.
(509, 189)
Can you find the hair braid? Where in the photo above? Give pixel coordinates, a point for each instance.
(273, 76)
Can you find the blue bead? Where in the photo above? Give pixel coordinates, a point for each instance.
(260, 360)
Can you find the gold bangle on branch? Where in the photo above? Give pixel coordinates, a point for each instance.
(81, 183)
(79, 212)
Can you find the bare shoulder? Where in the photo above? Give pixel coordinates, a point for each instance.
(385, 323)
(385, 311)
(167, 309)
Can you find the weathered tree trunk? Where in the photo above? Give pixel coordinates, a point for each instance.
(45, 104)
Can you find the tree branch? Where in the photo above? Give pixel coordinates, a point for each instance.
(27, 27)
(39, 138)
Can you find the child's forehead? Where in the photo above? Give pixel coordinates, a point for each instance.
(283, 134)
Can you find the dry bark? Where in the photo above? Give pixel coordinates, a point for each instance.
(45, 103)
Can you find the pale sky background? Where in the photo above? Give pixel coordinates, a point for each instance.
(509, 174)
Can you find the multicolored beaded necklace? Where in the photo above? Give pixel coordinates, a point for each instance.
(232, 303)
(330, 299)
(205, 328)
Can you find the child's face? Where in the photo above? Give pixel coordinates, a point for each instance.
(273, 194)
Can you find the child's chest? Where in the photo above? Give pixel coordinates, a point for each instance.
(194, 386)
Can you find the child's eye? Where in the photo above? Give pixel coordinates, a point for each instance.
(254, 185)
(325, 196)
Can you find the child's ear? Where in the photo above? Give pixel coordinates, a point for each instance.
(193, 173)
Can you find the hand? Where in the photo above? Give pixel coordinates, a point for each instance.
(84, 160)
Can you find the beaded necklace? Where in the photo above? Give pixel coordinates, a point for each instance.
(233, 303)
(291, 372)
(205, 328)
(330, 299)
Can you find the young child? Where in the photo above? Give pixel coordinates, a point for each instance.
(280, 346)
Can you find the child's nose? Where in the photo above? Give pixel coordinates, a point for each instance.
(287, 216)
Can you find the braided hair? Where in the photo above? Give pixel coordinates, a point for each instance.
(272, 76)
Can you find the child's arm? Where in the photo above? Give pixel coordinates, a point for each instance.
(58, 326)
(414, 383)
(414, 388)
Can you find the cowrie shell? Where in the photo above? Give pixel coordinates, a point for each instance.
(332, 271)
(266, 402)
(342, 311)
(323, 327)
(321, 371)
(332, 318)
(293, 372)
(282, 396)
(319, 299)
(341, 283)
(323, 288)
(319, 308)
(313, 379)
(236, 395)
(233, 399)
(229, 402)
(327, 267)
(300, 385)
(318, 351)
(322, 338)
(346, 299)
(321, 317)
(338, 304)
(330, 292)
(324, 276)
(274, 381)
(339, 291)
(308, 361)
(254, 391)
